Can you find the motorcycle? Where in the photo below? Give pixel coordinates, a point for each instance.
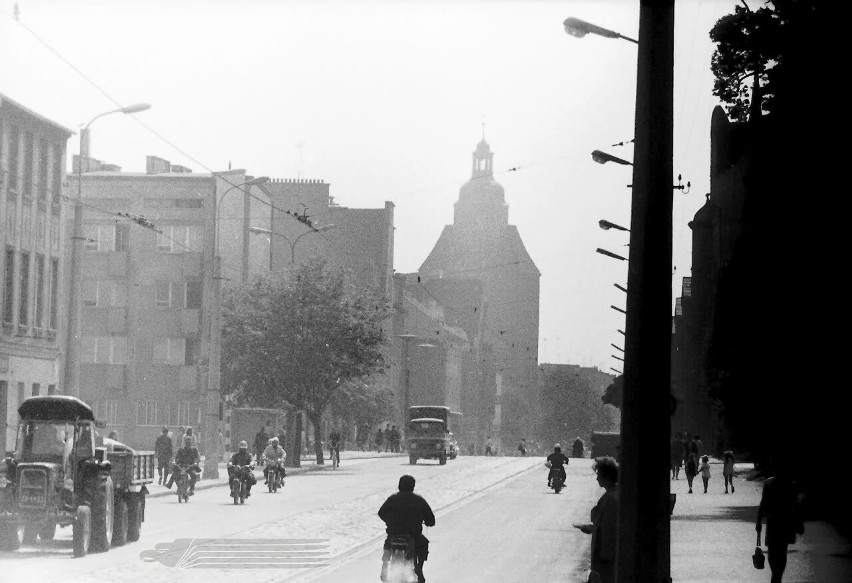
(239, 485)
(275, 477)
(182, 482)
(557, 478)
(398, 559)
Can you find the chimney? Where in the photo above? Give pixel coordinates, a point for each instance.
(156, 165)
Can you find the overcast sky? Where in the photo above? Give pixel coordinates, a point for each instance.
(385, 100)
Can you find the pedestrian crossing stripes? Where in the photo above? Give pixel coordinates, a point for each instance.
(227, 553)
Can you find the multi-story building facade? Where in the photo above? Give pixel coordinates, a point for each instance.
(150, 282)
(32, 162)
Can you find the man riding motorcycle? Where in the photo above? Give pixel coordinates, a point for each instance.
(556, 462)
(405, 513)
(189, 457)
(239, 459)
(272, 455)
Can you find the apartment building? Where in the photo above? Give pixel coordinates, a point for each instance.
(150, 284)
(32, 161)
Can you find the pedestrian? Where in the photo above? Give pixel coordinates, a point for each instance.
(578, 447)
(522, 447)
(192, 437)
(676, 455)
(380, 439)
(691, 469)
(489, 447)
(604, 525)
(260, 439)
(394, 439)
(164, 450)
(779, 504)
(705, 471)
(685, 442)
(696, 447)
(387, 437)
(728, 471)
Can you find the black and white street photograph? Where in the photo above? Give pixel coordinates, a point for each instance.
(457, 291)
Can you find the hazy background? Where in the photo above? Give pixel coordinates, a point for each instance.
(386, 100)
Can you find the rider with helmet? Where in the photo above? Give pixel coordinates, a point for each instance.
(556, 462)
(239, 459)
(272, 455)
(188, 457)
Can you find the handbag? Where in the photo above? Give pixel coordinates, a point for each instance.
(758, 558)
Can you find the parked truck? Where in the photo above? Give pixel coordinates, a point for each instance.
(64, 473)
(428, 435)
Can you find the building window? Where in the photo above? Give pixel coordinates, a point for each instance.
(122, 237)
(104, 350)
(26, 226)
(107, 411)
(11, 221)
(178, 414)
(39, 292)
(9, 286)
(100, 238)
(193, 295)
(180, 239)
(146, 413)
(190, 351)
(54, 293)
(42, 185)
(24, 291)
(12, 160)
(118, 294)
(170, 294)
(51, 389)
(36, 389)
(41, 230)
(169, 350)
(29, 153)
(56, 178)
(22, 392)
(89, 293)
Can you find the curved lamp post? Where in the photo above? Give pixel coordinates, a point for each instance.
(602, 158)
(260, 231)
(259, 181)
(71, 378)
(606, 226)
(580, 28)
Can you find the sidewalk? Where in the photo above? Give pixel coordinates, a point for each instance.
(713, 536)
(308, 465)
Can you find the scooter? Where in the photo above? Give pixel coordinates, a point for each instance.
(182, 482)
(275, 479)
(398, 559)
(557, 479)
(239, 485)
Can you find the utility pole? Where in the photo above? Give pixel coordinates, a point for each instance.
(644, 530)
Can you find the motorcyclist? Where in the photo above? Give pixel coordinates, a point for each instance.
(405, 513)
(556, 462)
(188, 457)
(272, 455)
(239, 459)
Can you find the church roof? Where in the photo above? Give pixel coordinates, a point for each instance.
(461, 253)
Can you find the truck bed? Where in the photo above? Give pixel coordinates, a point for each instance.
(132, 468)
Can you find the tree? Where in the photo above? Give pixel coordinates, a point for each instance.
(363, 403)
(296, 340)
(614, 392)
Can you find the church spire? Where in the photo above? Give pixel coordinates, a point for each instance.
(483, 158)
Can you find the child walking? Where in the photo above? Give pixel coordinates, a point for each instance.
(728, 471)
(691, 469)
(705, 471)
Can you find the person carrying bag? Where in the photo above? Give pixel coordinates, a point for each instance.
(758, 558)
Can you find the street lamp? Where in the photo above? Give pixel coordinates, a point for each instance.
(606, 226)
(580, 28)
(602, 158)
(260, 231)
(259, 181)
(73, 338)
(610, 254)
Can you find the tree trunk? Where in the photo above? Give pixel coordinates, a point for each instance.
(296, 454)
(316, 421)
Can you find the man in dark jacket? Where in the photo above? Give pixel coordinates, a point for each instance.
(260, 442)
(189, 457)
(164, 450)
(239, 459)
(405, 513)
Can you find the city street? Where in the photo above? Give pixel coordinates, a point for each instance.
(474, 499)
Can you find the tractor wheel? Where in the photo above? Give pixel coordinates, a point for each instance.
(119, 524)
(11, 534)
(134, 519)
(103, 506)
(47, 531)
(82, 531)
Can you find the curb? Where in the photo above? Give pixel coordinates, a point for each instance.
(204, 485)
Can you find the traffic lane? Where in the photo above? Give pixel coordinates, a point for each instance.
(209, 513)
(335, 503)
(518, 531)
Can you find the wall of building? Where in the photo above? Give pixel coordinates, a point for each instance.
(32, 160)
